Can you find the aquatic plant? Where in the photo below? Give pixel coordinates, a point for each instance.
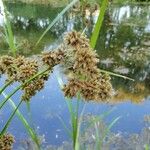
(79, 62)
(26, 71)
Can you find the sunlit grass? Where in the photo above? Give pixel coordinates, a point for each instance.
(8, 32)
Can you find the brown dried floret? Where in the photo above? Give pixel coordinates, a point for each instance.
(52, 58)
(32, 88)
(95, 90)
(6, 142)
(7, 65)
(80, 63)
(1, 67)
(7, 60)
(19, 61)
(76, 39)
(28, 69)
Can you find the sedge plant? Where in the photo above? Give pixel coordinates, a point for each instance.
(74, 112)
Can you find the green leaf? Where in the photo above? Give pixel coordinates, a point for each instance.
(99, 23)
(30, 131)
(56, 19)
(115, 74)
(10, 119)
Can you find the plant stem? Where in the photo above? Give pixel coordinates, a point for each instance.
(22, 85)
(30, 131)
(5, 86)
(98, 24)
(115, 74)
(10, 119)
(56, 19)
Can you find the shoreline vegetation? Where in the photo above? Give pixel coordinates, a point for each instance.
(54, 3)
(62, 3)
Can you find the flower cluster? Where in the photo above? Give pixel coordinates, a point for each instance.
(6, 142)
(53, 58)
(30, 89)
(21, 69)
(84, 76)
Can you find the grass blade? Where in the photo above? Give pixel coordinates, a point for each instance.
(77, 146)
(22, 85)
(5, 86)
(99, 23)
(115, 74)
(9, 36)
(65, 127)
(10, 119)
(56, 19)
(30, 131)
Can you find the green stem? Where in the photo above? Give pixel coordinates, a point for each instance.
(9, 120)
(5, 86)
(73, 2)
(115, 74)
(22, 85)
(30, 131)
(98, 25)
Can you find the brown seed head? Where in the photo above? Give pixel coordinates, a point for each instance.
(6, 142)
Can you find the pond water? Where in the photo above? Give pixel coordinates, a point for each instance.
(123, 47)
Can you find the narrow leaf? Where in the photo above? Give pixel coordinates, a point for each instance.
(99, 23)
(56, 19)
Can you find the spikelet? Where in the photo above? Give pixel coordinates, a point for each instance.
(6, 142)
(28, 69)
(21, 69)
(52, 58)
(34, 86)
(19, 61)
(7, 65)
(76, 39)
